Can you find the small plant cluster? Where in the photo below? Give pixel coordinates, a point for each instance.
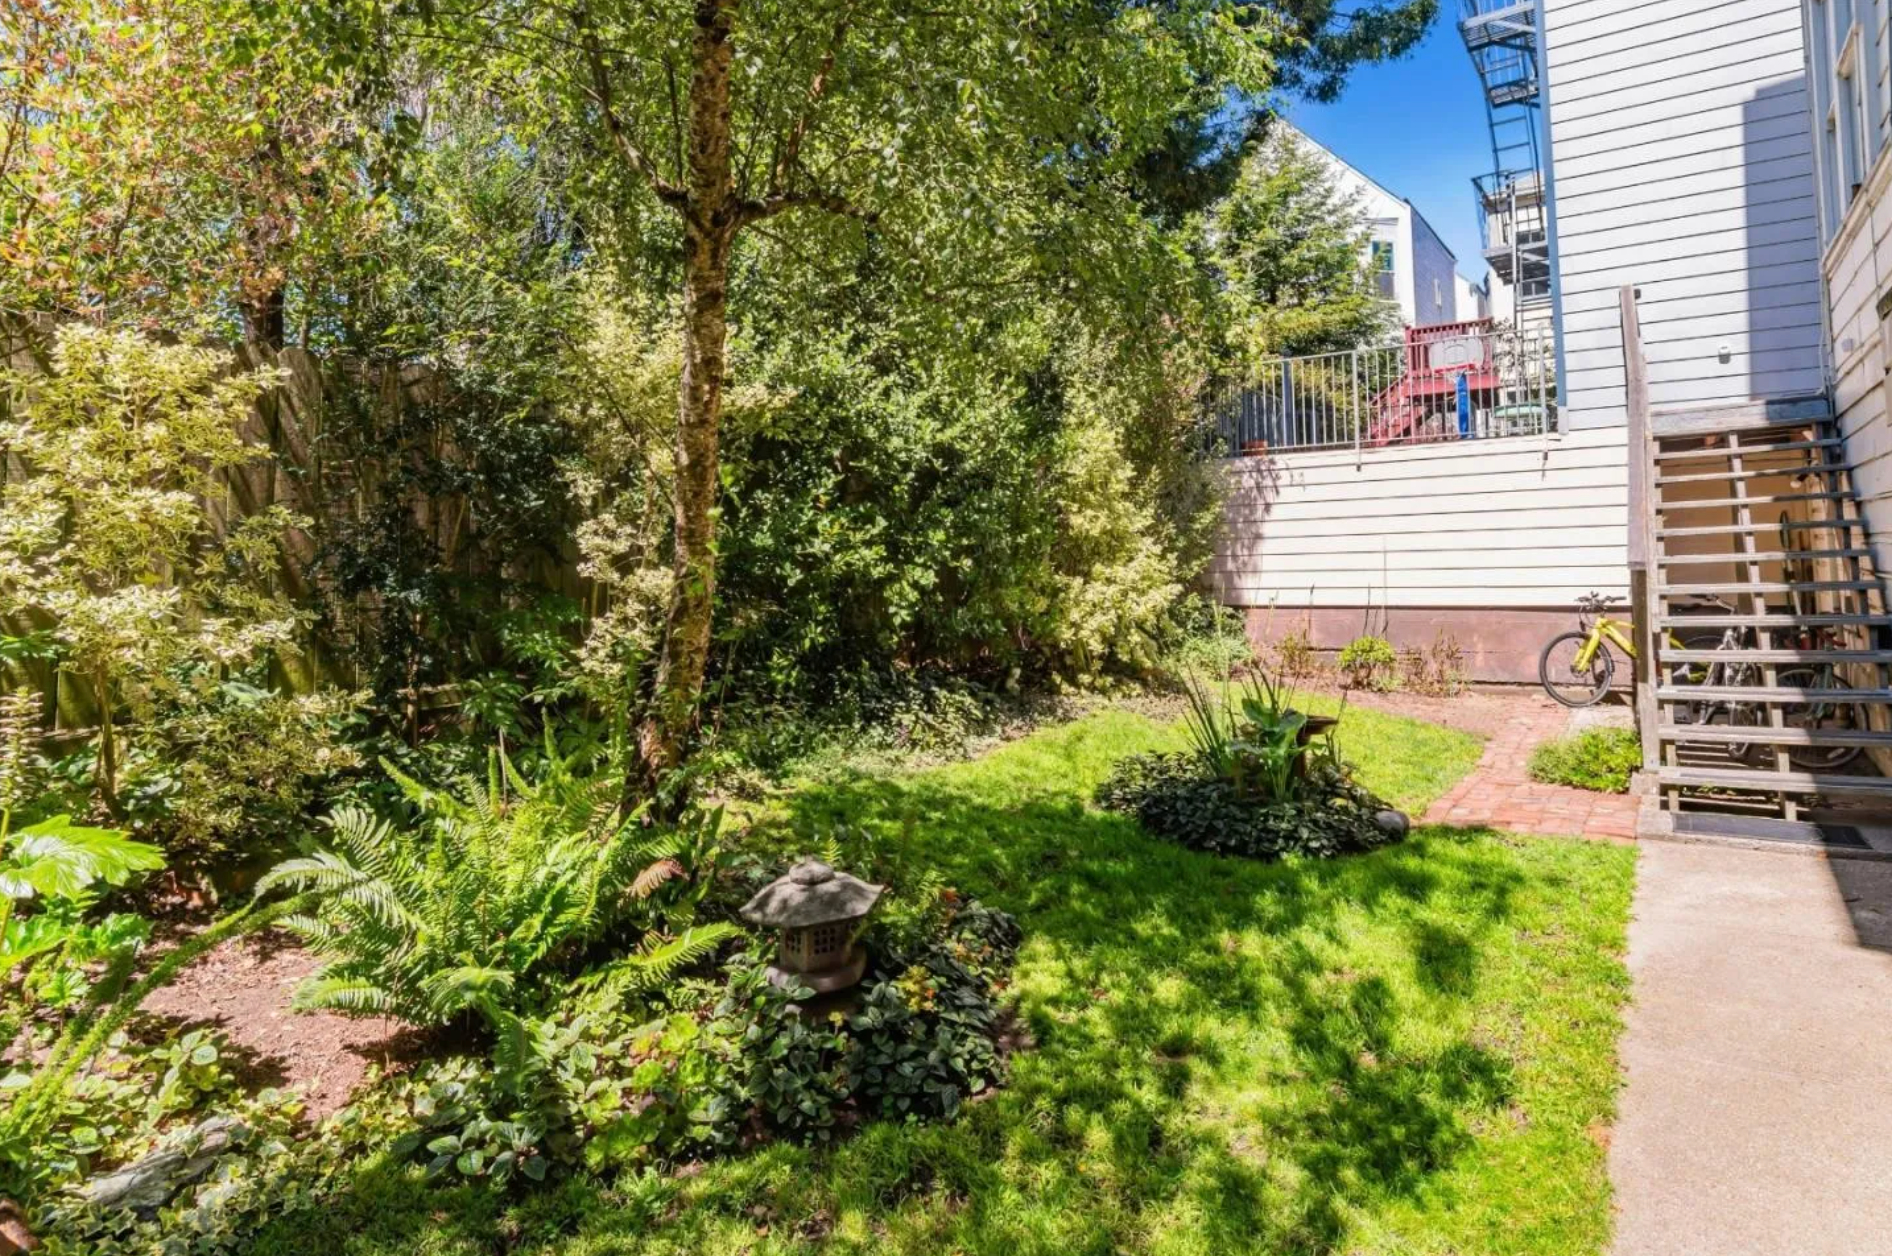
(1370, 662)
(1600, 759)
(1438, 671)
(1249, 785)
(1296, 657)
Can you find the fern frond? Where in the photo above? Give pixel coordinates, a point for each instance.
(658, 961)
(655, 875)
(351, 998)
(322, 872)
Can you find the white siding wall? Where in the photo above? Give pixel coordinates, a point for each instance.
(1683, 164)
(1858, 260)
(1434, 274)
(1519, 522)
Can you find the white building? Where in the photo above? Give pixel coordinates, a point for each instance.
(1677, 159)
(1847, 68)
(1473, 300)
(1417, 271)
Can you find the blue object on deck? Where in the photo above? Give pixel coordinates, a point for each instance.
(1464, 404)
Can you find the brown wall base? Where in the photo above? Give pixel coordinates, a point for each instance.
(1496, 645)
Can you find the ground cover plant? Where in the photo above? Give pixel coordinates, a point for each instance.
(1601, 759)
(1253, 782)
(1405, 1050)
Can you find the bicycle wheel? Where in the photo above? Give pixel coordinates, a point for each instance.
(1832, 716)
(1693, 673)
(1557, 669)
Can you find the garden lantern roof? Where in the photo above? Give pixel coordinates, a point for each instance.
(811, 893)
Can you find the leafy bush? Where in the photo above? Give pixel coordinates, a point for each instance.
(53, 946)
(235, 767)
(1601, 759)
(467, 909)
(921, 1040)
(1370, 663)
(109, 535)
(151, 1097)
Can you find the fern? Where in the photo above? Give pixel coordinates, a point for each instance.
(500, 880)
(651, 966)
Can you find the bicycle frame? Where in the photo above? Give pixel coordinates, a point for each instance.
(1605, 629)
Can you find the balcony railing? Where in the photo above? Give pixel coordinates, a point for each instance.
(1450, 382)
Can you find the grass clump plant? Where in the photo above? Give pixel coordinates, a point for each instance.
(1600, 759)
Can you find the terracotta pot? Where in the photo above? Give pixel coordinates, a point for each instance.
(1254, 448)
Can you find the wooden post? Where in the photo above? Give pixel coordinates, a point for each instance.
(1642, 605)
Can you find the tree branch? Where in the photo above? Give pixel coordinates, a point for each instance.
(667, 192)
(790, 152)
(749, 211)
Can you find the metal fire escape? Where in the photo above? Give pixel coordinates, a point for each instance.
(1502, 38)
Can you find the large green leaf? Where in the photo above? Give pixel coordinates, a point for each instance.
(61, 859)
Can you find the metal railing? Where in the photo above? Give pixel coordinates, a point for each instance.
(1454, 381)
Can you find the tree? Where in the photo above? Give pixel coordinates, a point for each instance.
(1291, 246)
(176, 164)
(933, 130)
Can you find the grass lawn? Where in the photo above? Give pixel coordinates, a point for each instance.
(1409, 1051)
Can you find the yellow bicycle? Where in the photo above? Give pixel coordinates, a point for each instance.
(1576, 668)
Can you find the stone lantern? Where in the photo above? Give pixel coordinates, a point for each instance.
(816, 912)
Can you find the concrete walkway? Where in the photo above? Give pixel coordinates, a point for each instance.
(1758, 1113)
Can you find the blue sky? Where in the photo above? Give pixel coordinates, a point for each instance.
(1418, 127)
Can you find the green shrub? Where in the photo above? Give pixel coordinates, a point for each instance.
(142, 1099)
(1602, 759)
(1175, 797)
(921, 1040)
(1370, 663)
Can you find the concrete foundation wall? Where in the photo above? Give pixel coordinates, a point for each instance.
(1497, 645)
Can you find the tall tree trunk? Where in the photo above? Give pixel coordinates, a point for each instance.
(709, 227)
(262, 301)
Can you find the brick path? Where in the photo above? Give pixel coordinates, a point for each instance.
(1500, 792)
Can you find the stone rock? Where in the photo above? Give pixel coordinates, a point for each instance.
(1392, 823)
(145, 1185)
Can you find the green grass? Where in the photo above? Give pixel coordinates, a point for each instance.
(1600, 759)
(1402, 1052)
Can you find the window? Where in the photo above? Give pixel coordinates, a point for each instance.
(1438, 297)
(1383, 267)
(1849, 119)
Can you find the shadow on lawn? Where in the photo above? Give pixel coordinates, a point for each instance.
(1226, 1051)
(1153, 973)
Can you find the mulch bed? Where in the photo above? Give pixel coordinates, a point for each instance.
(243, 988)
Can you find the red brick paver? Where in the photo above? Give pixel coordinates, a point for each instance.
(1499, 792)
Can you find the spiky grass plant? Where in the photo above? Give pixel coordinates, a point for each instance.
(465, 910)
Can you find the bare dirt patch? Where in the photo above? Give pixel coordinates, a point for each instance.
(243, 988)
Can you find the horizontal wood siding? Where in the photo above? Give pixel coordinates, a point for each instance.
(1858, 269)
(1682, 157)
(1519, 522)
